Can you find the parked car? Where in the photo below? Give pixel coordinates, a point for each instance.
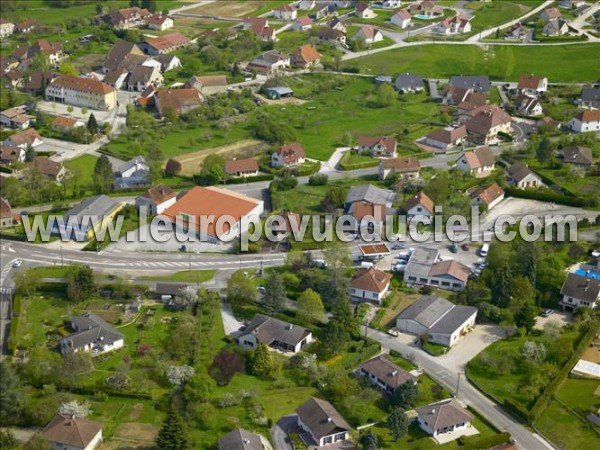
(17, 263)
(398, 246)
(483, 251)
(547, 312)
(454, 248)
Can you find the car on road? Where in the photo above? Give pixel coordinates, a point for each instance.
(399, 267)
(483, 251)
(398, 246)
(18, 263)
(547, 312)
(454, 248)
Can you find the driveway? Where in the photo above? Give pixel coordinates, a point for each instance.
(470, 346)
(562, 318)
(279, 432)
(230, 324)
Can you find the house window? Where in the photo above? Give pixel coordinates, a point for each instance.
(340, 437)
(423, 280)
(456, 285)
(411, 278)
(445, 283)
(374, 294)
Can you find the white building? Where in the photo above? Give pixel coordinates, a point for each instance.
(92, 334)
(72, 433)
(157, 199)
(370, 285)
(585, 121)
(274, 333)
(419, 208)
(447, 416)
(580, 290)
(285, 12)
(401, 19)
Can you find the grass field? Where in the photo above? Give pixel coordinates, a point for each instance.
(191, 276)
(83, 168)
(492, 14)
(444, 61)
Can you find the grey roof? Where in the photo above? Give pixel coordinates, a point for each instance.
(321, 418)
(281, 90)
(478, 83)
(98, 205)
(89, 328)
(578, 155)
(420, 261)
(371, 194)
(387, 371)
(383, 79)
(444, 414)
(591, 94)
(518, 172)
(169, 288)
(409, 81)
(131, 163)
(437, 314)
(268, 329)
(581, 287)
(240, 439)
(140, 74)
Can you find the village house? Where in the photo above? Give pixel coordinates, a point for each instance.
(370, 285)
(549, 14)
(156, 199)
(377, 146)
(425, 268)
(133, 173)
(445, 139)
(7, 217)
(118, 52)
(489, 196)
(303, 23)
(179, 101)
(209, 84)
(477, 83)
(91, 334)
(88, 217)
(409, 83)
(532, 84)
(589, 98)
(269, 63)
(52, 170)
(580, 290)
(447, 416)
(465, 99)
(16, 117)
(64, 124)
(24, 139)
(11, 154)
(443, 322)
(578, 156)
(337, 24)
(288, 225)
(241, 168)
(479, 162)
(405, 168)
(528, 106)
(285, 12)
(419, 208)
(368, 35)
(240, 439)
(368, 216)
(323, 10)
(212, 201)
(260, 27)
(321, 422)
(142, 77)
(332, 35)
(274, 333)
(72, 433)
(116, 78)
(288, 155)
(126, 18)
(485, 126)
(37, 81)
(401, 19)
(392, 4)
(159, 22)
(52, 50)
(82, 92)
(165, 44)
(555, 27)
(370, 194)
(13, 79)
(6, 28)
(26, 26)
(426, 8)
(516, 32)
(307, 5)
(453, 25)
(363, 10)
(305, 56)
(168, 62)
(585, 121)
(384, 374)
(522, 177)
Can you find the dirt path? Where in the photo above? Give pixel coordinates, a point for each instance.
(190, 162)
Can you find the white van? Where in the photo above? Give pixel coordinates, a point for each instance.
(366, 265)
(483, 251)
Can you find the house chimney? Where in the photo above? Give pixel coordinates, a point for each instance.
(394, 373)
(291, 326)
(329, 419)
(433, 411)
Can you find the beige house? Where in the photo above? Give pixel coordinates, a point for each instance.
(479, 162)
(6, 28)
(82, 92)
(522, 177)
(484, 127)
(405, 168)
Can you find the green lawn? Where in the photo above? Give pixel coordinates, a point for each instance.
(444, 61)
(82, 167)
(190, 276)
(564, 429)
(487, 15)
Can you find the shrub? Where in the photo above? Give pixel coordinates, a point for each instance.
(319, 179)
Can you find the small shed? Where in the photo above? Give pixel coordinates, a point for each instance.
(166, 291)
(382, 79)
(278, 92)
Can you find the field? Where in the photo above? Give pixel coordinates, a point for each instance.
(492, 14)
(236, 9)
(444, 61)
(190, 276)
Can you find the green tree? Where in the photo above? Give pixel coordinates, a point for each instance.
(370, 441)
(37, 442)
(334, 198)
(310, 307)
(12, 398)
(275, 292)
(27, 282)
(172, 435)
(81, 282)
(525, 317)
(262, 361)
(29, 153)
(397, 423)
(240, 289)
(199, 388)
(344, 316)
(406, 395)
(92, 124)
(544, 151)
(385, 95)
(103, 175)
(66, 68)
(8, 440)
(172, 168)
(213, 169)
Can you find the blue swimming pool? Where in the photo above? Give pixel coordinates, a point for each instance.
(422, 17)
(588, 273)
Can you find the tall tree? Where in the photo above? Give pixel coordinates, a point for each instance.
(172, 435)
(275, 292)
(92, 124)
(81, 282)
(262, 361)
(397, 423)
(12, 399)
(67, 68)
(240, 289)
(525, 317)
(103, 175)
(544, 151)
(29, 153)
(370, 441)
(213, 169)
(310, 307)
(406, 395)
(172, 168)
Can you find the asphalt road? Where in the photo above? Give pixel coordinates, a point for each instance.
(467, 393)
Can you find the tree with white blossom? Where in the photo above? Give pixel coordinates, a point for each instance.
(75, 409)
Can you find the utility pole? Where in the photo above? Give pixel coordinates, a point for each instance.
(457, 384)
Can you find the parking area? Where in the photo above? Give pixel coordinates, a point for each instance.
(471, 345)
(560, 317)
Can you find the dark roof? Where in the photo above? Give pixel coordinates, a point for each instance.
(518, 171)
(402, 164)
(444, 414)
(119, 51)
(141, 74)
(409, 81)
(437, 314)
(581, 287)
(268, 329)
(240, 439)
(98, 205)
(590, 94)
(578, 155)
(89, 328)
(241, 165)
(181, 100)
(321, 418)
(478, 83)
(387, 371)
(369, 193)
(72, 432)
(47, 167)
(169, 288)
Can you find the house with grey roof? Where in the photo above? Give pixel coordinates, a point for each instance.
(477, 83)
(578, 156)
(133, 173)
(91, 334)
(590, 97)
(240, 439)
(384, 374)
(580, 289)
(447, 416)
(523, 177)
(322, 423)
(87, 217)
(409, 82)
(274, 333)
(442, 321)
(370, 194)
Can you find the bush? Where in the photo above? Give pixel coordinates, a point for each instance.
(6, 169)
(308, 168)
(319, 179)
(287, 183)
(546, 196)
(253, 179)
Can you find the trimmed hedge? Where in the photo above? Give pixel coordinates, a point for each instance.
(254, 179)
(6, 169)
(308, 168)
(549, 197)
(345, 165)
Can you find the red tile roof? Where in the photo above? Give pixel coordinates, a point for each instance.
(167, 41)
(307, 53)
(420, 199)
(241, 165)
(291, 153)
(371, 280)
(82, 84)
(489, 194)
(529, 81)
(389, 143)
